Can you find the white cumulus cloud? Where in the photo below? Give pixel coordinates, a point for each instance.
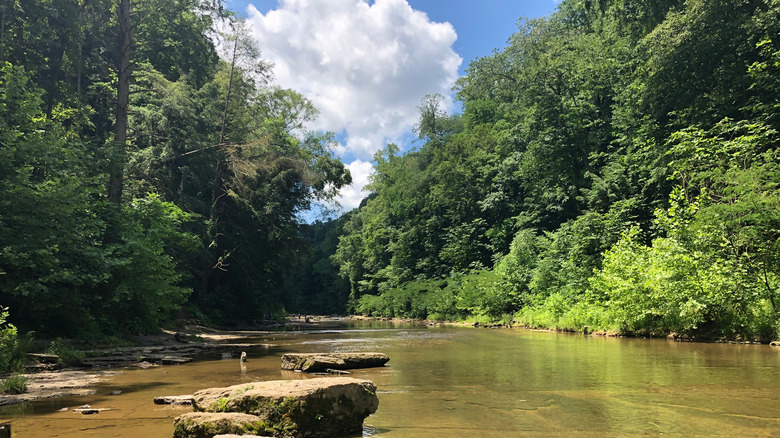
(351, 196)
(364, 66)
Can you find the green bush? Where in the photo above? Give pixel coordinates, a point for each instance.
(15, 384)
(147, 290)
(479, 294)
(68, 356)
(370, 305)
(13, 347)
(677, 285)
(566, 313)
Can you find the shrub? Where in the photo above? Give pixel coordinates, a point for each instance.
(67, 354)
(13, 347)
(370, 305)
(15, 384)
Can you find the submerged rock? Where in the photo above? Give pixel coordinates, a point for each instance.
(164, 359)
(317, 408)
(320, 362)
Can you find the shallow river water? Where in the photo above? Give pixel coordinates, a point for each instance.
(465, 382)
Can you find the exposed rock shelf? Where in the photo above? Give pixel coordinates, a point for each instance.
(57, 384)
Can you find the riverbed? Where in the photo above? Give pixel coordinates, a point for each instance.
(467, 382)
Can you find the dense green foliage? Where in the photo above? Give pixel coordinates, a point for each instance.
(313, 285)
(115, 217)
(13, 347)
(615, 166)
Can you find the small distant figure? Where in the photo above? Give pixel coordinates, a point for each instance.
(307, 320)
(243, 356)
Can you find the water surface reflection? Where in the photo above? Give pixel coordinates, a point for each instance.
(444, 382)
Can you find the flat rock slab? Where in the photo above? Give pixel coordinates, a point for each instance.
(165, 360)
(208, 425)
(321, 362)
(90, 411)
(57, 384)
(232, 436)
(317, 408)
(173, 400)
(44, 358)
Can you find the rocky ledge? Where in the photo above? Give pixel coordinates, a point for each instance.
(323, 362)
(311, 408)
(57, 384)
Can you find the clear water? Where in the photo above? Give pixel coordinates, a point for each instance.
(464, 382)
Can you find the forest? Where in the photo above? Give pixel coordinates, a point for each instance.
(615, 166)
(149, 168)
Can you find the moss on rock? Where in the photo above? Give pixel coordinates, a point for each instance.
(208, 424)
(317, 408)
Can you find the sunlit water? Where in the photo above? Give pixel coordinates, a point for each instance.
(464, 382)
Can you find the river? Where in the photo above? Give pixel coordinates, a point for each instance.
(466, 382)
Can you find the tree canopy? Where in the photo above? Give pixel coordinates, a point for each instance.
(614, 167)
(141, 174)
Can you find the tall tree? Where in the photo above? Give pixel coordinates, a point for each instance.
(117, 166)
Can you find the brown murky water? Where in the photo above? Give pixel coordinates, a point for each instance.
(461, 382)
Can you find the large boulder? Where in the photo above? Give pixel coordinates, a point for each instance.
(207, 425)
(321, 362)
(318, 408)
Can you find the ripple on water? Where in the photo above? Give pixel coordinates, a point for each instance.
(444, 382)
(405, 338)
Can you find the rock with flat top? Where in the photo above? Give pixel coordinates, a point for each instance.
(173, 400)
(311, 408)
(227, 436)
(321, 362)
(44, 358)
(208, 425)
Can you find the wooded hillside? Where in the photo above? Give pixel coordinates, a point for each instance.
(141, 173)
(615, 166)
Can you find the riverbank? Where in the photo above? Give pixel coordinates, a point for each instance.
(48, 380)
(585, 330)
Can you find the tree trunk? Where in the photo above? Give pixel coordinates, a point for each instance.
(19, 45)
(116, 170)
(2, 31)
(211, 275)
(80, 59)
(217, 187)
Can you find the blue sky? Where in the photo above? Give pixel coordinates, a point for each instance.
(481, 25)
(366, 64)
